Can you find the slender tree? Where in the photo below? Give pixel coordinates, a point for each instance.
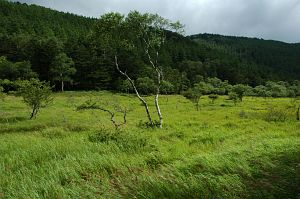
(194, 94)
(62, 69)
(151, 29)
(240, 90)
(134, 34)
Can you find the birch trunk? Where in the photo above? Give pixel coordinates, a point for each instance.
(136, 91)
(156, 101)
(62, 86)
(159, 78)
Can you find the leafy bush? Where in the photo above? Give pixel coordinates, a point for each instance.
(277, 89)
(36, 94)
(8, 85)
(240, 90)
(233, 96)
(147, 124)
(125, 86)
(166, 87)
(145, 85)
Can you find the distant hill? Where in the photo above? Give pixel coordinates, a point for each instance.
(20, 18)
(281, 59)
(37, 34)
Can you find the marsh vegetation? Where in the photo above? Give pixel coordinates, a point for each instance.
(223, 151)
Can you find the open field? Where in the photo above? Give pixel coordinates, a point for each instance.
(221, 151)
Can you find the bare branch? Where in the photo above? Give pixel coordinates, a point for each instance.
(90, 105)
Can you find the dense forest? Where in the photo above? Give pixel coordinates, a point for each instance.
(35, 37)
(260, 59)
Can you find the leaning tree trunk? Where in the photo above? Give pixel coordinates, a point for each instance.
(159, 79)
(156, 100)
(34, 112)
(136, 91)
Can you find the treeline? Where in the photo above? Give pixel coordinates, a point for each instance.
(36, 37)
(216, 86)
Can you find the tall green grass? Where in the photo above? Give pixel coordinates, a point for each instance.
(221, 151)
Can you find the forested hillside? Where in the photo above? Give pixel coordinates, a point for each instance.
(282, 60)
(38, 35)
(17, 18)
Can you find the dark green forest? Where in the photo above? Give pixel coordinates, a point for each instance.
(33, 36)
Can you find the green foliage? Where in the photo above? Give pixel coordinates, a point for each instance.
(240, 90)
(251, 61)
(277, 89)
(62, 69)
(125, 86)
(295, 87)
(2, 94)
(35, 94)
(166, 87)
(17, 18)
(8, 85)
(109, 33)
(145, 85)
(219, 87)
(234, 97)
(14, 71)
(203, 88)
(142, 35)
(262, 91)
(193, 95)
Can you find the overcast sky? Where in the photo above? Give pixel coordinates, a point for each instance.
(268, 19)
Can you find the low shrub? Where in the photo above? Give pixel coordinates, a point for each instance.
(276, 115)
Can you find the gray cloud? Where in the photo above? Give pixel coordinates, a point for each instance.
(268, 19)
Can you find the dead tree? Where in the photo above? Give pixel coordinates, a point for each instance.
(117, 109)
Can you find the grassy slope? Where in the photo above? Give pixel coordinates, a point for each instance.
(222, 151)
